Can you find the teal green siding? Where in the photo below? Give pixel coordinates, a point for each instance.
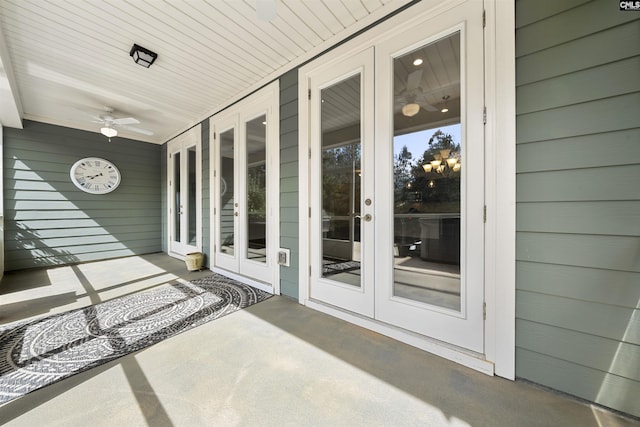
(578, 199)
(48, 221)
(289, 180)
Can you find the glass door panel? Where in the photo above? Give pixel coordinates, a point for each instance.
(176, 232)
(192, 197)
(340, 171)
(227, 202)
(256, 167)
(427, 166)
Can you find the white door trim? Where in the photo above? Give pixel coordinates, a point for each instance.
(500, 181)
(500, 186)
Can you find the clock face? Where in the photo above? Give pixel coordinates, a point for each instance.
(95, 175)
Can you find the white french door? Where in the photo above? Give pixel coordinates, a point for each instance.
(396, 179)
(433, 210)
(342, 140)
(184, 168)
(245, 187)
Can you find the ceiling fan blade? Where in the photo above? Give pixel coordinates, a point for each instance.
(266, 10)
(413, 80)
(428, 107)
(137, 130)
(126, 121)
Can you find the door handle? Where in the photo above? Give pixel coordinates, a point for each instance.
(367, 217)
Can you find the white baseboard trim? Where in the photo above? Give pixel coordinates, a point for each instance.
(242, 279)
(455, 354)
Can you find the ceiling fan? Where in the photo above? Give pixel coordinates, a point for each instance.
(111, 124)
(412, 97)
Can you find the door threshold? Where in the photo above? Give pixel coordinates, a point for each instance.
(244, 279)
(459, 355)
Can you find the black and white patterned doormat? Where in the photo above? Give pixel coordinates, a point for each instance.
(40, 352)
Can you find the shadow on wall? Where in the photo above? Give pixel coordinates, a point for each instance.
(49, 221)
(39, 253)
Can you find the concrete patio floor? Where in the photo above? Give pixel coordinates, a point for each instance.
(276, 363)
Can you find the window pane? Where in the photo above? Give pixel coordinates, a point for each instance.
(256, 189)
(192, 232)
(227, 199)
(341, 151)
(177, 207)
(428, 159)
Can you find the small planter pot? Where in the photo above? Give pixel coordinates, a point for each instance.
(193, 261)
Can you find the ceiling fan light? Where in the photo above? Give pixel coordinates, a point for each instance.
(445, 109)
(142, 56)
(109, 132)
(410, 110)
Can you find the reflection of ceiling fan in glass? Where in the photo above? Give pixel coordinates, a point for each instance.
(412, 97)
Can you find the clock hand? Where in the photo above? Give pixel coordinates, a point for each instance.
(94, 176)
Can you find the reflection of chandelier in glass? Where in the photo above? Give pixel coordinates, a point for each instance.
(444, 162)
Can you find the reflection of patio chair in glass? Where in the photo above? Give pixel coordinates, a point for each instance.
(407, 236)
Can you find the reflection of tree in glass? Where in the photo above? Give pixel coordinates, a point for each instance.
(402, 174)
(340, 179)
(256, 192)
(442, 195)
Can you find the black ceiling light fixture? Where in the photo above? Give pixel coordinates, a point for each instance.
(142, 56)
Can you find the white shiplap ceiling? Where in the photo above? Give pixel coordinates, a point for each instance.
(64, 61)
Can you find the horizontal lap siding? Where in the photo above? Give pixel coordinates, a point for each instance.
(578, 199)
(49, 221)
(289, 180)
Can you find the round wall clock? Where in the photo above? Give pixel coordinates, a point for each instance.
(94, 175)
